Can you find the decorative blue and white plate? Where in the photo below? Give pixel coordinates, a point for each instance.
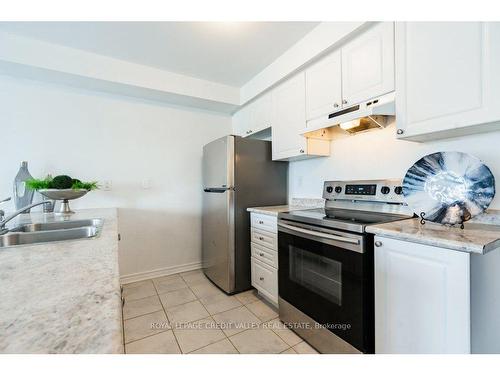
(449, 187)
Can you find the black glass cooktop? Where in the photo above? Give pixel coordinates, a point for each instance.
(351, 220)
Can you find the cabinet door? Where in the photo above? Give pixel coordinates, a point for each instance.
(422, 298)
(368, 65)
(289, 117)
(260, 114)
(447, 77)
(241, 122)
(324, 86)
(265, 279)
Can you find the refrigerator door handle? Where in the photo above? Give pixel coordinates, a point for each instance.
(217, 190)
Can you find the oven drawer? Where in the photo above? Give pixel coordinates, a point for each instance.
(265, 279)
(265, 255)
(264, 222)
(264, 238)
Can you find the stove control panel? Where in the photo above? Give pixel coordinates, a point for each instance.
(359, 189)
(389, 191)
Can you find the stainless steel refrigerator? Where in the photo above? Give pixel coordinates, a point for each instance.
(237, 173)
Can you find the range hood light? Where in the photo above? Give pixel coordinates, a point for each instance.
(376, 113)
(350, 124)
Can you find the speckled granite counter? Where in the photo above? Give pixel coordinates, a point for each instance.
(479, 236)
(296, 204)
(272, 210)
(62, 297)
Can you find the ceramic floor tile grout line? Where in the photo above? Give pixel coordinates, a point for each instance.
(209, 316)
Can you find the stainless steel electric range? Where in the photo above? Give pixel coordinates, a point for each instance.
(325, 273)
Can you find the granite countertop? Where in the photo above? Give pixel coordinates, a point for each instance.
(479, 236)
(62, 297)
(296, 204)
(272, 210)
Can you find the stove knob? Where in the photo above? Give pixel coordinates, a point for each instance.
(329, 189)
(385, 190)
(398, 190)
(338, 189)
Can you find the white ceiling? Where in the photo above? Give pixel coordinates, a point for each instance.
(225, 52)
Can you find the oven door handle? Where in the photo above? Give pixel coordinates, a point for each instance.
(320, 234)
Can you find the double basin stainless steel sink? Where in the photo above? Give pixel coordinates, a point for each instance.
(34, 233)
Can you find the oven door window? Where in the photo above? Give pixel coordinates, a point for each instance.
(320, 274)
(330, 284)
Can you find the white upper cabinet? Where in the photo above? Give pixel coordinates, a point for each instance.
(422, 299)
(288, 118)
(254, 117)
(359, 71)
(324, 86)
(241, 122)
(260, 113)
(447, 79)
(368, 65)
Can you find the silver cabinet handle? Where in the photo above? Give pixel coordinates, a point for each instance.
(344, 101)
(261, 238)
(261, 278)
(335, 105)
(261, 222)
(301, 151)
(400, 131)
(378, 244)
(320, 234)
(261, 254)
(249, 131)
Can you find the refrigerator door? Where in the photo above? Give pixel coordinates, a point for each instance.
(218, 213)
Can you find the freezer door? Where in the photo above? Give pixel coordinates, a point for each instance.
(218, 163)
(218, 213)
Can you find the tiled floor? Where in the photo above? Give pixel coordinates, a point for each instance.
(186, 313)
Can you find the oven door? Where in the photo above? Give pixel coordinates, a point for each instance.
(328, 276)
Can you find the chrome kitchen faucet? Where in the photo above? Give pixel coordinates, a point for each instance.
(15, 214)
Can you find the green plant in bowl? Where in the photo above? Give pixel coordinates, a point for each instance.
(61, 182)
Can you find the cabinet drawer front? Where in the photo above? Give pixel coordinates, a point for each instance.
(265, 254)
(265, 222)
(264, 238)
(265, 279)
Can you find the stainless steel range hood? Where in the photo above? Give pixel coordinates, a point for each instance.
(373, 114)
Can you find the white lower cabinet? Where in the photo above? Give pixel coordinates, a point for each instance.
(264, 259)
(422, 298)
(265, 280)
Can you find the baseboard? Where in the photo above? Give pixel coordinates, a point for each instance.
(127, 279)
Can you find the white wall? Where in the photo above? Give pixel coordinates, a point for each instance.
(377, 154)
(103, 137)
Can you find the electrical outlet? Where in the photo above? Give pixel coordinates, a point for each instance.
(107, 185)
(146, 183)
